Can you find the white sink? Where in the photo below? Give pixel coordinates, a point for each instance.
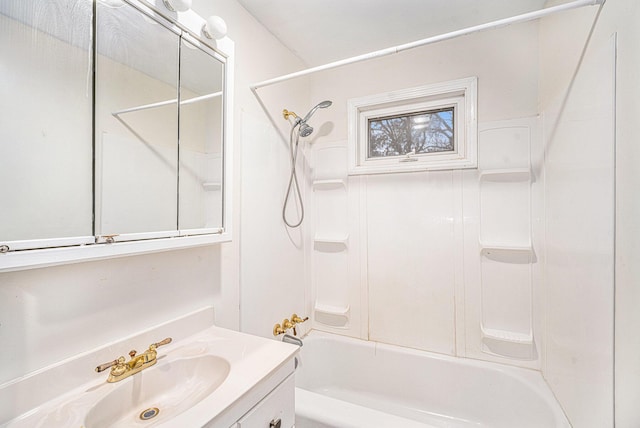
(158, 393)
(209, 378)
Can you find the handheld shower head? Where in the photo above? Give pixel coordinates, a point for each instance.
(305, 129)
(323, 104)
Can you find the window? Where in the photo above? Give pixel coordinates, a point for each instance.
(429, 127)
(416, 133)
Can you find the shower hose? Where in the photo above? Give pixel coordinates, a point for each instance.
(293, 179)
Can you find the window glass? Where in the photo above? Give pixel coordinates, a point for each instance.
(417, 133)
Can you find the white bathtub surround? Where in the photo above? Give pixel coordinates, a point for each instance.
(578, 96)
(443, 261)
(65, 393)
(350, 383)
(397, 257)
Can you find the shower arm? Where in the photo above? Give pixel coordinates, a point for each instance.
(286, 114)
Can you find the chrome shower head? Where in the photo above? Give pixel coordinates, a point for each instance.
(305, 129)
(323, 104)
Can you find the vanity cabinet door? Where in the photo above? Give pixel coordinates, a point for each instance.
(276, 410)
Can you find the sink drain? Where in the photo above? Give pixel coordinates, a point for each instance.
(149, 413)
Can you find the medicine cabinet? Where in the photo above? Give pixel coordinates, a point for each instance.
(116, 131)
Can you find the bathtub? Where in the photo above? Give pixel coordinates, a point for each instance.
(349, 383)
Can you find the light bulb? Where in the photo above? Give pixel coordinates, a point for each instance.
(177, 5)
(215, 28)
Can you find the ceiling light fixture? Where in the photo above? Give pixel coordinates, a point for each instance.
(214, 28)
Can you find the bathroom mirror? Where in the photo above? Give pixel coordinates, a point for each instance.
(201, 138)
(45, 115)
(113, 127)
(136, 123)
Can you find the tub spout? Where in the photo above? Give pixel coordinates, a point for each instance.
(292, 340)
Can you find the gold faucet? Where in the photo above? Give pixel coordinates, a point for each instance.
(297, 320)
(122, 370)
(288, 324)
(277, 329)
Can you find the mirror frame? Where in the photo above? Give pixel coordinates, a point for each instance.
(96, 248)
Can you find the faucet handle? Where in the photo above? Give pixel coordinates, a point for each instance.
(103, 367)
(297, 320)
(277, 329)
(286, 324)
(162, 342)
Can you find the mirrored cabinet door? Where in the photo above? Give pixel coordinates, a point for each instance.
(136, 120)
(45, 121)
(201, 139)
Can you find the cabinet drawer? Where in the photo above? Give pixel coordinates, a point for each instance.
(279, 405)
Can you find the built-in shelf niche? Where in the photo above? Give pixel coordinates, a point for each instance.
(329, 184)
(334, 240)
(508, 336)
(329, 238)
(507, 174)
(331, 315)
(211, 186)
(524, 254)
(505, 239)
(487, 249)
(508, 343)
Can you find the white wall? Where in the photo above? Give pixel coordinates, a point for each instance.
(47, 315)
(271, 263)
(505, 61)
(587, 146)
(622, 16)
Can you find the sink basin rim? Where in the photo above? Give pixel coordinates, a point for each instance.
(159, 386)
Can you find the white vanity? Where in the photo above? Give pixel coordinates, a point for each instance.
(214, 378)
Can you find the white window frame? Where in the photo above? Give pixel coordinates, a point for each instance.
(460, 94)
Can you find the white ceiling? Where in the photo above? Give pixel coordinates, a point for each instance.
(321, 31)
